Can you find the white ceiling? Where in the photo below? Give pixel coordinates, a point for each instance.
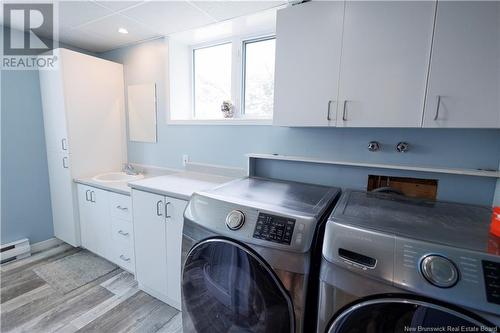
(93, 25)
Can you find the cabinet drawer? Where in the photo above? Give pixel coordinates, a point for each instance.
(123, 256)
(121, 206)
(122, 233)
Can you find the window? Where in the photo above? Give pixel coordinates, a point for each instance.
(240, 71)
(212, 80)
(258, 74)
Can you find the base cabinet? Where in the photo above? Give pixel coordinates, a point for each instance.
(106, 225)
(158, 222)
(94, 220)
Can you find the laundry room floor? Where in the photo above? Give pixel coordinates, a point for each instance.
(110, 303)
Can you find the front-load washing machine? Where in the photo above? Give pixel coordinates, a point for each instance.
(395, 264)
(247, 248)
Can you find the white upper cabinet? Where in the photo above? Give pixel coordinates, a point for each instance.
(465, 66)
(308, 43)
(385, 58)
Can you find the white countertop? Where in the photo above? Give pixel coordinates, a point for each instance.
(179, 185)
(121, 187)
(117, 187)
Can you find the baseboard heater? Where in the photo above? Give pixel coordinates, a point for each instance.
(15, 250)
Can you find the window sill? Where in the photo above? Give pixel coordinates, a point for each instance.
(225, 122)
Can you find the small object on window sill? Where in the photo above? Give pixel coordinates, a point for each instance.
(227, 109)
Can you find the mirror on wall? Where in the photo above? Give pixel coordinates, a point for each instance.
(142, 112)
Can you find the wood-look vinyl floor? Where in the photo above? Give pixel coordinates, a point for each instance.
(111, 303)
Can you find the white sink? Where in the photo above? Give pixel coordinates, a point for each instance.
(109, 177)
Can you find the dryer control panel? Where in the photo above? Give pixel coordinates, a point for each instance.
(251, 225)
(274, 228)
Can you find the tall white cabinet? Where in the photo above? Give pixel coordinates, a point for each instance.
(84, 129)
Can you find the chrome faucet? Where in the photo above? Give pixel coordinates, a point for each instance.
(129, 169)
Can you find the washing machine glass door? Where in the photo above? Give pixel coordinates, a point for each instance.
(227, 287)
(402, 315)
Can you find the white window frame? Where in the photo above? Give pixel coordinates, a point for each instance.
(193, 83)
(237, 83)
(243, 61)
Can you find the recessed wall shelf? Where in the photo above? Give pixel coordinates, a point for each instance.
(452, 171)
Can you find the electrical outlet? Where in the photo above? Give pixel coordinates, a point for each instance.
(185, 159)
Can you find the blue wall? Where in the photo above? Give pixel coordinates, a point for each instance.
(25, 194)
(26, 210)
(227, 145)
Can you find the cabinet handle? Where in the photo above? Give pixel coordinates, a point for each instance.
(63, 144)
(122, 257)
(87, 195)
(344, 112)
(123, 233)
(65, 162)
(121, 208)
(329, 108)
(158, 203)
(92, 196)
(166, 210)
(436, 116)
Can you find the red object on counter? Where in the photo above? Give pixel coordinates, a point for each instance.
(495, 222)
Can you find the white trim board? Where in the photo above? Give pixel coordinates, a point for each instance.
(451, 171)
(45, 245)
(215, 169)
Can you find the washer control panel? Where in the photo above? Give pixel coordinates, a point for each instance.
(274, 228)
(491, 271)
(454, 275)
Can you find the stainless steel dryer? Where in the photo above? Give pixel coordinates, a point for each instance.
(247, 254)
(394, 264)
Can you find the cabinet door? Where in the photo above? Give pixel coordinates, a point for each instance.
(465, 66)
(63, 199)
(175, 220)
(95, 222)
(308, 42)
(95, 125)
(54, 116)
(150, 242)
(385, 58)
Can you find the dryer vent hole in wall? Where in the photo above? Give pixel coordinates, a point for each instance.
(410, 187)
